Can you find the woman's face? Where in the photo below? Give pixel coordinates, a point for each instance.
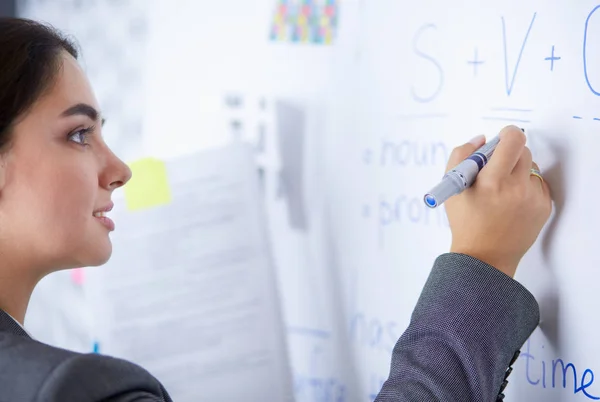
(55, 177)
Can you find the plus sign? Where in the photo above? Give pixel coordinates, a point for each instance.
(475, 62)
(551, 59)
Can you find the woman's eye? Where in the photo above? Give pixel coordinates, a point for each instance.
(81, 136)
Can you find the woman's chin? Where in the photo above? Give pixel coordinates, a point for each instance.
(99, 255)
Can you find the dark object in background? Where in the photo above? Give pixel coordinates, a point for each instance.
(8, 8)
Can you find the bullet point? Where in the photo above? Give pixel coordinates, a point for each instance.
(366, 211)
(367, 156)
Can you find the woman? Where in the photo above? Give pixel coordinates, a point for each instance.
(56, 180)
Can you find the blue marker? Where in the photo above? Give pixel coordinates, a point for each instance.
(462, 176)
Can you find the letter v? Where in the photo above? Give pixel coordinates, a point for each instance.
(509, 87)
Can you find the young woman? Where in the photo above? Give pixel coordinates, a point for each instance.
(56, 180)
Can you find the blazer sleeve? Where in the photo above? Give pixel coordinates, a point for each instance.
(94, 378)
(465, 332)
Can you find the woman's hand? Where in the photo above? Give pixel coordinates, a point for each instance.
(499, 218)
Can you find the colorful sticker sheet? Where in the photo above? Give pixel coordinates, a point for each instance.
(305, 21)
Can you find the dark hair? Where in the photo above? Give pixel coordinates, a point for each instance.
(29, 63)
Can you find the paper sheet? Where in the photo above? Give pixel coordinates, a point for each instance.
(190, 293)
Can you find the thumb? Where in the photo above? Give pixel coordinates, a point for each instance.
(461, 153)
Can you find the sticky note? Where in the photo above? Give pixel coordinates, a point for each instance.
(149, 185)
(77, 276)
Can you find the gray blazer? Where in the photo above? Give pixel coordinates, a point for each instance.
(464, 335)
(31, 371)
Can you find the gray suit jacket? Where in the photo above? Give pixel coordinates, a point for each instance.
(464, 335)
(31, 371)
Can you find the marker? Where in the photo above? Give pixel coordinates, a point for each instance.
(462, 176)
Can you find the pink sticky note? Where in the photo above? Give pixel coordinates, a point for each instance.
(77, 276)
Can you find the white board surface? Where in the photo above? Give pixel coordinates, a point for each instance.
(430, 76)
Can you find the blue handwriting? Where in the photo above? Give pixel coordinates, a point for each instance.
(545, 374)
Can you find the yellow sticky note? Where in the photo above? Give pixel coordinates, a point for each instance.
(149, 185)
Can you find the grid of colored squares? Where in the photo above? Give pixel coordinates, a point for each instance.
(305, 21)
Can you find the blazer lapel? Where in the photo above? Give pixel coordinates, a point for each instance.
(7, 324)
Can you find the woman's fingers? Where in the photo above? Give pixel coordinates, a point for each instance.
(507, 153)
(462, 152)
(522, 169)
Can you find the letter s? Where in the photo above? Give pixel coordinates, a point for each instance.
(425, 99)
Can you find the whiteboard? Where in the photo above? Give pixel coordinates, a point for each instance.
(422, 78)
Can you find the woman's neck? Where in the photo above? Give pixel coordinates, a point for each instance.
(15, 293)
